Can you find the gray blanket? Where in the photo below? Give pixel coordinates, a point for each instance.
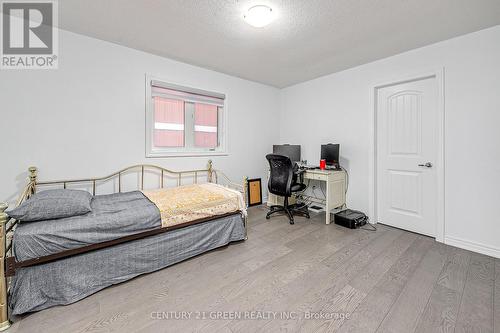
(112, 216)
(69, 280)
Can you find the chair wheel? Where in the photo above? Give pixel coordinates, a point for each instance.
(291, 222)
(308, 216)
(268, 217)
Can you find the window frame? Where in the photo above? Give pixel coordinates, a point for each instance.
(152, 152)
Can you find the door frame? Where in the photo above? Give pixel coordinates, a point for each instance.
(438, 74)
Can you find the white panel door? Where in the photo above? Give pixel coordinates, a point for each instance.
(407, 153)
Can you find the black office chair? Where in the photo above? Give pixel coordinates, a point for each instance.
(283, 182)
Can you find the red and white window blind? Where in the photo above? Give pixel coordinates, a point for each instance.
(169, 122)
(183, 120)
(205, 125)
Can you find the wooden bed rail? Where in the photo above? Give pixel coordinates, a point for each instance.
(7, 224)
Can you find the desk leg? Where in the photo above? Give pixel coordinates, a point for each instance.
(328, 208)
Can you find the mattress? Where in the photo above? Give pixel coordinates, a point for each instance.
(119, 215)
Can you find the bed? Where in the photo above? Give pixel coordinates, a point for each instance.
(126, 234)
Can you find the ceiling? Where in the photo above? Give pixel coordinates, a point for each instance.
(308, 39)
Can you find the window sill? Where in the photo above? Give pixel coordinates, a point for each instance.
(186, 154)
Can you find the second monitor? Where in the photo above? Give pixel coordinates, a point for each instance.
(330, 153)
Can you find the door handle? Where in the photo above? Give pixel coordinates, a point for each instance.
(427, 165)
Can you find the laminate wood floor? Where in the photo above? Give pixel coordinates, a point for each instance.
(307, 277)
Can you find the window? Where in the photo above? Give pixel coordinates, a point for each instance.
(183, 121)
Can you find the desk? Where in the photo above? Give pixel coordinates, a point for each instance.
(335, 189)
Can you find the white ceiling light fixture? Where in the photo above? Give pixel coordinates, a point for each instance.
(259, 16)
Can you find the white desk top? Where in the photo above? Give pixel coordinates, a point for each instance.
(323, 172)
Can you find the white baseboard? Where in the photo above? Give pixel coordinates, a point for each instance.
(472, 246)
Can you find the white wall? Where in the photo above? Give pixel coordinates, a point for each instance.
(337, 107)
(86, 119)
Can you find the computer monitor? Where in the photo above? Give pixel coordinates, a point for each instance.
(330, 153)
(290, 151)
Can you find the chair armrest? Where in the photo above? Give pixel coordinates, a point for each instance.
(300, 174)
(300, 171)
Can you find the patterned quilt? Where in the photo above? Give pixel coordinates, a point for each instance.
(192, 202)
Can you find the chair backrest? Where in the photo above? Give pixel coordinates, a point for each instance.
(280, 179)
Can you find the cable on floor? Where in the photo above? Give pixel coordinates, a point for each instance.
(372, 226)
